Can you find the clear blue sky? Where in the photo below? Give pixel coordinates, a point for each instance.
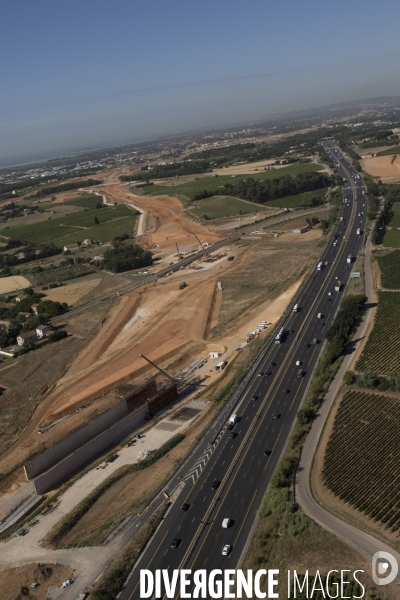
(85, 73)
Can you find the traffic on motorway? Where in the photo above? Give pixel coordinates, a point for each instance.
(210, 521)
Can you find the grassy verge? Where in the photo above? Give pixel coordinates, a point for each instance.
(56, 535)
(112, 580)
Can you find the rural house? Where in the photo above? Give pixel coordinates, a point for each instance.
(86, 242)
(19, 298)
(303, 229)
(43, 331)
(71, 247)
(29, 336)
(34, 309)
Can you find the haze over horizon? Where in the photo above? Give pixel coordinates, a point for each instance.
(94, 74)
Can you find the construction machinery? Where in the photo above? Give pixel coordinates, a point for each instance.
(206, 254)
(159, 368)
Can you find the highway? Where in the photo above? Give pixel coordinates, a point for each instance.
(243, 465)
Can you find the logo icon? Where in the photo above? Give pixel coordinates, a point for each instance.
(384, 563)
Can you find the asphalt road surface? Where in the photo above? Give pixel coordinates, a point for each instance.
(243, 465)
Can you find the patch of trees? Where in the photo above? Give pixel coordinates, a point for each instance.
(381, 222)
(46, 308)
(169, 170)
(126, 258)
(56, 336)
(344, 324)
(31, 252)
(203, 195)
(65, 187)
(279, 187)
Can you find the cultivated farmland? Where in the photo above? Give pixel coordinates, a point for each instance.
(382, 350)
(362, 460)
(392, 238)
(389, 265)
(218, 207)
(213, 183)
(393, 150)
(395, 220)
(299, 200)
(113, 221)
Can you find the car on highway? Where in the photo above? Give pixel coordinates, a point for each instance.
(68, 582)
(260, 374)
(226, 523)
(277, 416)
(267, 452)
(175, 543)
(307, 345)
(226, 550)
(273, 364)
(286, 391)
(232, 435)
(185, 507)
(215, 484)
(300, 373)
(267, 373)
(315, 341)
(254, 398)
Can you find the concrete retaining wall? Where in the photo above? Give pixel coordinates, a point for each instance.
(74, 441)
(74, 461)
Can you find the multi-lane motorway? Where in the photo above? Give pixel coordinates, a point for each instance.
(242, 464)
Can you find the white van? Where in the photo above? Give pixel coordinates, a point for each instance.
(226, 523)
(319, 316)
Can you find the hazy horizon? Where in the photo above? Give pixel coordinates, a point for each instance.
(93, 75)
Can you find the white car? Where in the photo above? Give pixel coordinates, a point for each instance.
(226, 549)
(67, 582)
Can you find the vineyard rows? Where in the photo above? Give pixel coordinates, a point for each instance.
(382, 350)
(42, 231)
(101, 233)
(395, 220)
(362, 459)
(389, 265)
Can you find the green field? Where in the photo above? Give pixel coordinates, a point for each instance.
(392, 238)
(395, 220)
(389, 265)
(77, 227)
(382, 351)
(212, 183)
(298, 200)
(392, 150)
(218, 207)
(363, 456)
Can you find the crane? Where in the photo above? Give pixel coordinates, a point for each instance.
(201, 245)
(158, 368)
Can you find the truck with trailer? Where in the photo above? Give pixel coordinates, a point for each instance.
(279, 336)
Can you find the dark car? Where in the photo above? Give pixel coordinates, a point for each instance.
(308, 345)
(273, 364)
(232, 435)
(231, 426)
(277, 416)
(185, 507)
(286, 391)
(323, 323)
(267, 373)
(215, 485)
(267, 452)
(260, 374)
(254, 398)
(175, 543)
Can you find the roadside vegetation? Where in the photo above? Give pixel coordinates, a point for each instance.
(57, 534)
(111, 581)
(363, 454)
